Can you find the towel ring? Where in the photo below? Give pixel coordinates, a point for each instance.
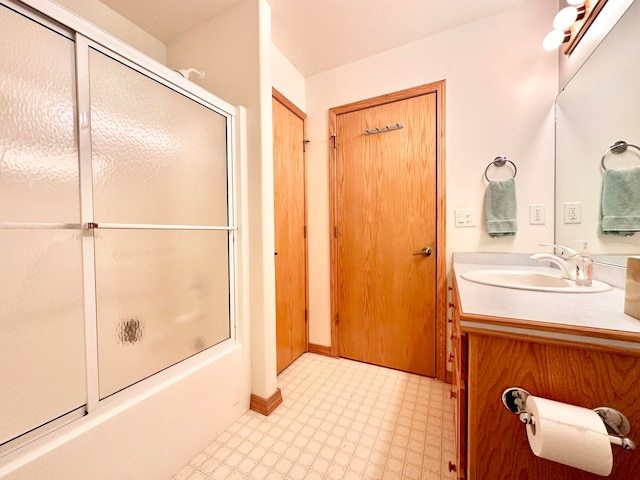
(500, 161)
(618, 147)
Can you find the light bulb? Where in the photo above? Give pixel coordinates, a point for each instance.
(565, 18)
(575, 2)
(553, 40)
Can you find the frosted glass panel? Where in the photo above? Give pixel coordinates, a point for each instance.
(38, 154)
(158, 156)
(42, 347)
(163, 296)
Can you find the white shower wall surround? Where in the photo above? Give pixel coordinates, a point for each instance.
(118, 228)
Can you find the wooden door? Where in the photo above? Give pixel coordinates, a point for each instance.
(386, 212)
(290, 230)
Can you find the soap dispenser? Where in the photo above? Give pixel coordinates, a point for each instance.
(584, 266)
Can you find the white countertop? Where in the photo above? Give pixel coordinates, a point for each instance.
(602, 310)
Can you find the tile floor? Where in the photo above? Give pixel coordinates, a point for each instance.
(339, 419)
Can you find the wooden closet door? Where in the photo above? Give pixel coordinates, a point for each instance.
(290, 231)
(386, 213)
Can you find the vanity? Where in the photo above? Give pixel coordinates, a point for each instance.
(576, 348)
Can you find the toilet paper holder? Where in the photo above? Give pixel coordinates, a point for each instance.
(618, 426)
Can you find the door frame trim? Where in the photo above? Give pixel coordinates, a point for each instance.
(439, 88)
(275, 94)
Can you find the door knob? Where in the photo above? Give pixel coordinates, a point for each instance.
(425, 252)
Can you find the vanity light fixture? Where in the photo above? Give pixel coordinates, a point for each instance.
(554, 39)
(567, 16)
(571, 23)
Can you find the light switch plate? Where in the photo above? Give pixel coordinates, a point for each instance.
(465, 217)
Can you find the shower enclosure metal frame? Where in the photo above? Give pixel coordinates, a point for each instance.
(86, 37)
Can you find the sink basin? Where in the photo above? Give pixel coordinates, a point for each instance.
(530, 280)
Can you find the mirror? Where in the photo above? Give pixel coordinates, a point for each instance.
(599, 106)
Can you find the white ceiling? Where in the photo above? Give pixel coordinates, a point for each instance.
(317, 35)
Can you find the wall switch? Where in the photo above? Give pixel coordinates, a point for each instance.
(536, 214)
(465, 217)
(573, 212)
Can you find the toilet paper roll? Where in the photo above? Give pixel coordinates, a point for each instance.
(570, 435)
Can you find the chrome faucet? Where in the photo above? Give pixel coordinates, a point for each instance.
(565, 259)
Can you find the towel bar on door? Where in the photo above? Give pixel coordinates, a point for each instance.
(500, 161)
(386, 128)
(617, 147)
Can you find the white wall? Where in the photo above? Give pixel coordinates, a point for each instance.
(287, 79)
(112, 22)
(234, 50)
(500, 90)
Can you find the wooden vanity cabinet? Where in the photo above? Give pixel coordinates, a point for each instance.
(496, 445)
(459, 389)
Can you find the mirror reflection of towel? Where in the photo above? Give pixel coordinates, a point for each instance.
(620, 202)
(500, 208)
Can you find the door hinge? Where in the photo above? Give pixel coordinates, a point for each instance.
(304, 232)
(335, 140)
(306, 315)
(335, 231)
(337, 318)
(304, 144)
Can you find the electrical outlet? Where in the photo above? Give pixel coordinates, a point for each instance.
(536, 214)
(465, 217)
(573, 212)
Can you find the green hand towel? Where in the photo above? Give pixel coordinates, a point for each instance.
(500, 208)
(620, 202)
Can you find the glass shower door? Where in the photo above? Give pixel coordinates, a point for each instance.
(160, 196)
(116, 235)
(42, 343)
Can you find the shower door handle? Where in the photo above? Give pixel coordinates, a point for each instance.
(425, 252)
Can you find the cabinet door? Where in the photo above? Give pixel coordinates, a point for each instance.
(498, 445)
